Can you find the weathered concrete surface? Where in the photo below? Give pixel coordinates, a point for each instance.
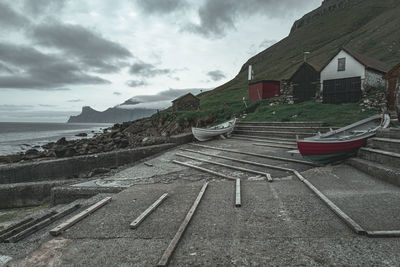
(71, 167)
(67, 194)
(372, 203)
(27, 194)
(279, 224)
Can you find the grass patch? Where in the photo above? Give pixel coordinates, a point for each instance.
(7, 216)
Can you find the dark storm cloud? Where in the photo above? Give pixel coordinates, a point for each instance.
(40, 71)
(161, 6)
(216, 17)
(15, 107)
(169, 94)
(74, 100)
(10, 18)
(85, 46)
(216, 75)
(38, 7)
(136, 83)
(147, 70)
(47, 106)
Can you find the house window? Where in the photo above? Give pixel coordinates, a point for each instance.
(341, 64)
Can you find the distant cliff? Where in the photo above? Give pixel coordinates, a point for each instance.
(111, 115)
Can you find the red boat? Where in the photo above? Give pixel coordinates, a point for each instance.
(341, 143)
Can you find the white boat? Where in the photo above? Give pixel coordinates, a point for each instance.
(204, 134)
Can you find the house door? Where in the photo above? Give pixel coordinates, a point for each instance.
(304, 91)
(339, 91)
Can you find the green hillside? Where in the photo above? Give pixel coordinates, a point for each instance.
(369, 27)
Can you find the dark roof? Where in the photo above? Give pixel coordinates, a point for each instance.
(265, 81)
(188, 94)
(368, 62)
(394, 72)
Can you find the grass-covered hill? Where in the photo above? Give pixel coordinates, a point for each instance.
(369, 27)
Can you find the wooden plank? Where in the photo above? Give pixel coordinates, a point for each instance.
(276, 146)
(257, 155)
(204, 170)
(238, 202)
(26, 225)
(42, 224)
(148, 164)
(240, 160)
(148, 211)
(174, 242)
(349, 221)
(265, 141)
(388, 233)
(224, 165)
(15, 225)
(68, 223)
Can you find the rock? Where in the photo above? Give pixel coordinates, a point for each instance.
(62, 141)
(100, 171)
(81, 134)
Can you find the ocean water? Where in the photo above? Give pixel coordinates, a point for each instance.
(20, 136)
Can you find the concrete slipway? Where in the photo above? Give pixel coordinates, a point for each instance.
(280, 223)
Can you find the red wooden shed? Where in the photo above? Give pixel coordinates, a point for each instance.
(264, 90)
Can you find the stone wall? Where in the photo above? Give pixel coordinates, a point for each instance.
(373, 80)
(286, 92)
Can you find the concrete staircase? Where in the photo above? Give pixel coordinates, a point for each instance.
(381, 157)
(281, 130)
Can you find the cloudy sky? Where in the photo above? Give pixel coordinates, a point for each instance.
(59, 55)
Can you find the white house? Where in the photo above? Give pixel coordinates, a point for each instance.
(348, 74)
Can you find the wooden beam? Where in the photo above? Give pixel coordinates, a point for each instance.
(148, 211)
(68, 223)
(238, 202)
(239, 160)
(388, 233)
(15, 225)
(225, 165)
(276, 146)
(265, 141)
(204, 170)
(22, 227)
(349, 221)
(172, 245)
(42, 224)
(148, 164)
(257, 155)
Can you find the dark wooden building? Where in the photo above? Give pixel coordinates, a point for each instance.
(186, 102)
(264, 90)
(392, 87)
(305, 82)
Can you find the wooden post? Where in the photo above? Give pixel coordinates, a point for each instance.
(238, 202)
(68, 223)
(148, 211)
(172, 245)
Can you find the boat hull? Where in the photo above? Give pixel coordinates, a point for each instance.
(328, 152)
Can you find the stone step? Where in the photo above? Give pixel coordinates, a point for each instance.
(283, 128)
(284, 124)
(387, 144)
(380, 156)
(393, 133)
(376, 170)
(273, 134)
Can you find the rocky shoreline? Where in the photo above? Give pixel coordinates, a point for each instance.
(143, 132)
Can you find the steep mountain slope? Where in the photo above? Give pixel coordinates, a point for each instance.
(369, 27)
